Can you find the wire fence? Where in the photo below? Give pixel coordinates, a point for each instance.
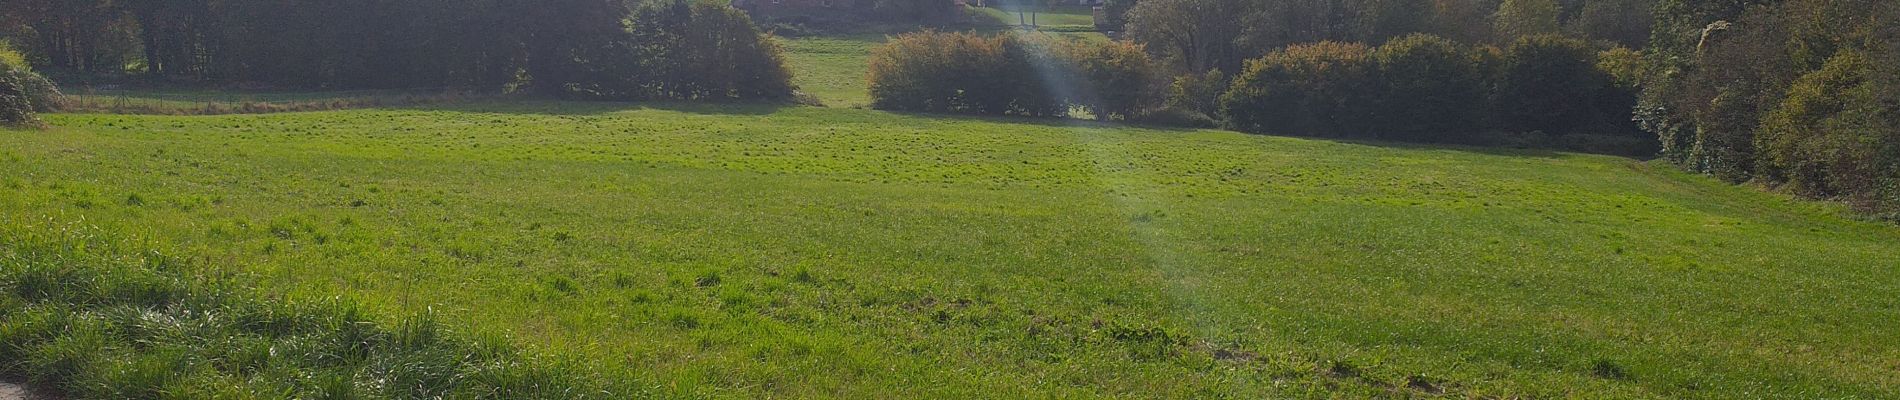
(121, 101)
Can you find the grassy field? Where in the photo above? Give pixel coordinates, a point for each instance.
(756, 251)
(1083, 17)
(211, 102)
(832, 67)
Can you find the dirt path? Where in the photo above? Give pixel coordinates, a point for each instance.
(10, 391)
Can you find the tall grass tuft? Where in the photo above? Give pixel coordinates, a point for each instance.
(86, 326)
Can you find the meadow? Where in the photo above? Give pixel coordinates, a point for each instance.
(747, 251)
(1059, 17)
(832, 68)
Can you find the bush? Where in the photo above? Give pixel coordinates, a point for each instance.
(22, 92)
(683, 50)
(1830, 137)
(1197, 93)
(12, 58)
(15, 108)
(1552, 84)
(1009, 75)
(958, 73)
(1117, 80)
(718, 54)
(1320, 89)
(1432, 90)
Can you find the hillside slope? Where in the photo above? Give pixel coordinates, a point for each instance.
(808, 252)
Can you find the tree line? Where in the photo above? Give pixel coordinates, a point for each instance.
(1201, 35)
(1802, 95)
(1798, 94)
(591, 48)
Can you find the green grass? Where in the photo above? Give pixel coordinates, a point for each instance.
(753, 251)
(832, 67)
(79, 324)
(211, 102)
(1045, 16)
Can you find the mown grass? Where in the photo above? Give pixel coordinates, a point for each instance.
(758, 251)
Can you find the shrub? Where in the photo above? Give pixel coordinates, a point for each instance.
(22, 92)
(718, 54)
(1625, 66)
(1117, 80)
(1320, 89)
(12, 58)
(15, 109)
(939, 72)
(1552, 84)
(683, 50)
(1432, 90)
(1831, 137)
(1008, 75)
(1197, 93)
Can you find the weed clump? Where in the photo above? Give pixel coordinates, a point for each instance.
(82, 328)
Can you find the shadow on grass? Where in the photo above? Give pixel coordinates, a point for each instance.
(534, 106)
(1552, 149)
(522, 105)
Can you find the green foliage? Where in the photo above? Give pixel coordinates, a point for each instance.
(696, 50)
(1627, 23)
(22, 92)
(1197, 94)
(1516, 19)
(702, 49)
(1432, 90)
(1423, 88)
(1116, 13)
(961, 73)
(1786, 92)
(1552, 84)
(11, 58)
(1116, 80)
(1831, 137)
(1320, 89)
(1625, 67)
(1199, 35)
(1010, 74)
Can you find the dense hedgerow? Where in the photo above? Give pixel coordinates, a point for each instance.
(1325, 89)
(1117, 79)
(1552, 84)
(89, 327)
(1423, 88)
(1431, 89)
(970, 73)
(683, 50)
